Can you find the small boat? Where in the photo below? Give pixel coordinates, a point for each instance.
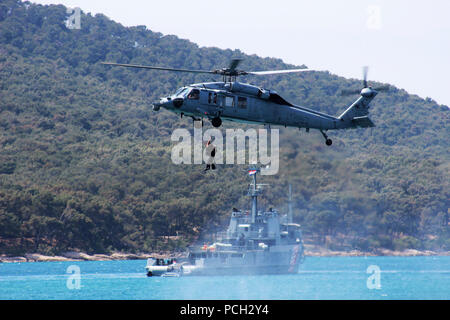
(171, 274)
(163, 268)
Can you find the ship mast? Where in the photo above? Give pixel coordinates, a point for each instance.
(253, 192)
(290, 204)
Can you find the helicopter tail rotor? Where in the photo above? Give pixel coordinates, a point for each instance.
(365, 71)
(347, 92)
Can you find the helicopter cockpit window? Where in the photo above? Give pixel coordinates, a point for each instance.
(194, 94)
(180, 92)
(242, 102)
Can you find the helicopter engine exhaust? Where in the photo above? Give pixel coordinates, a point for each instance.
(248, 89)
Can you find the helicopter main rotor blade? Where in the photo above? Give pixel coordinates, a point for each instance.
(155, 68)
(347, 92)
(263, 73)
(231, 71)
(382, 88)
(234, 63)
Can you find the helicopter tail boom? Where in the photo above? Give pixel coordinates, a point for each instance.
(356, 114)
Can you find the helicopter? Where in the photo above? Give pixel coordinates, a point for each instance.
(245, 103)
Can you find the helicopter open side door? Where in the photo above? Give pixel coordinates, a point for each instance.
(224, 103)
(242, 106)
(234, 106)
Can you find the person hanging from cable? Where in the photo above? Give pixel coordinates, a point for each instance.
(211, 153)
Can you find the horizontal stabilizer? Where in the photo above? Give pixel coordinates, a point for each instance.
(363, 122)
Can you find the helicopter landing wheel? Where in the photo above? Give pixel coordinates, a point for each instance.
(328, 141)
(216, 122)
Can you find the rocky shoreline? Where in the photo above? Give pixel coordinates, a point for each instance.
(81, 256)
(380, 252)
(312, 252)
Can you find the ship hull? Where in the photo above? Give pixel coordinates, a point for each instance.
(241, 270)
(276, 260)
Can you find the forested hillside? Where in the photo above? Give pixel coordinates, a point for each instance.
(85, 163)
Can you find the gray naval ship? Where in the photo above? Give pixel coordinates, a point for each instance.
(256, 242)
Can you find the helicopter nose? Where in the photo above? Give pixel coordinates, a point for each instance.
(156, 106)
(163, 102)
(168, 103)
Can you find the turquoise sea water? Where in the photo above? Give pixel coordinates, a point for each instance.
(317, 278)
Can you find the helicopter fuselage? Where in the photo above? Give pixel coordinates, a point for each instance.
(245, 103)
(242, 102)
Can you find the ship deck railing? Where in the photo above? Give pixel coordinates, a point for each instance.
(226, 250)
(236, 252)
(252, 235)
